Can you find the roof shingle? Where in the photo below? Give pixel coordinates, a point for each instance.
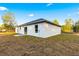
(39, 21)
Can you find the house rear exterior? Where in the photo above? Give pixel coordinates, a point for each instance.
(39, 28)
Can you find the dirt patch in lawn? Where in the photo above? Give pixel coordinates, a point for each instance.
(76, 34)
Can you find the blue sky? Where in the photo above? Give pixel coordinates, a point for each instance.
(25, 12)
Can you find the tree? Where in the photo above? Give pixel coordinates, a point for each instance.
(8, 21)
(68, 27)
(55, 21)
(76, 26)
(69, 21)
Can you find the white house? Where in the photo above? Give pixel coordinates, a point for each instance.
(39, 28)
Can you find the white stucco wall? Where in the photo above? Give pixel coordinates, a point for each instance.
(19, 30)
(44, 30)
(50, 30)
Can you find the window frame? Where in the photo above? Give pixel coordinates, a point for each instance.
(36, 28)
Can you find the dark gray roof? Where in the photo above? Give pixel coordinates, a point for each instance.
(38, 21)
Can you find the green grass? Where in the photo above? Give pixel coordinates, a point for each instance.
(64, 44)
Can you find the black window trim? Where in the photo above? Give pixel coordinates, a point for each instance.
(36, 28)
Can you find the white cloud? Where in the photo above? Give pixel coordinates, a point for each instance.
(49, 4)
(3, 8)
(31, 15)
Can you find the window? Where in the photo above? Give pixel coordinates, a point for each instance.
(36, 28)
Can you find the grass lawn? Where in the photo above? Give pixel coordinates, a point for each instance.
(7, 33)
(64, 44)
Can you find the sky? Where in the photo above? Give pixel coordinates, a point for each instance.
(26, 12)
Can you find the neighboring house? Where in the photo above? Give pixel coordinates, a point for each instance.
(39, 28)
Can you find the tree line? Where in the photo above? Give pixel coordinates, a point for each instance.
(69, 25)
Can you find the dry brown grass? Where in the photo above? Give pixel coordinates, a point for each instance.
(64, 44)
(7, 33)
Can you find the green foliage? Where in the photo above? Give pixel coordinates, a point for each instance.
(68, 27)
(76, 27)
(55, 21)
(69, 21)
(8, 21)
